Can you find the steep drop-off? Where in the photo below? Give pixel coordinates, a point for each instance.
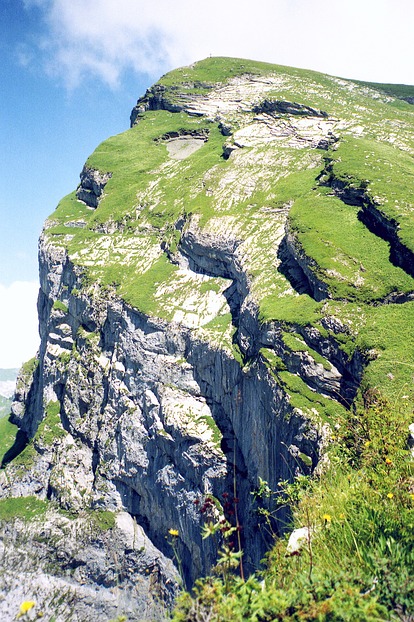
(232, 274)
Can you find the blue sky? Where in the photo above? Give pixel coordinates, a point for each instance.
(71, 70)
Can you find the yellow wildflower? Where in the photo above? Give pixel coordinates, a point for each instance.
(173, 532)
(327, 518)
(412, 496)
(388, 461)
(25, 607)
(367, 443)
(390, 495)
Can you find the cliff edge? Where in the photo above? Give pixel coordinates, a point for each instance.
(231, 276)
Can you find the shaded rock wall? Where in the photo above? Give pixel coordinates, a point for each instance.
(123, 445)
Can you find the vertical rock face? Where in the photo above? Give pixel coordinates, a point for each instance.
(154, 419)
(203, 324)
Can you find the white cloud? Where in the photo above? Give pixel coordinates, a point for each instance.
(19, 337)
(368, 39)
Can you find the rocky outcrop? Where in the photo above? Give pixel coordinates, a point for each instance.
(91, 186)
(286, 107)
(75, 569)
(159, 97)
(168, 420)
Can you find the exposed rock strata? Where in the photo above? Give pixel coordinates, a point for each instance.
(153, 465)
(189, 345)
(286, 107)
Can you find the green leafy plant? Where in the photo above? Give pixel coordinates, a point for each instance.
(358, 561)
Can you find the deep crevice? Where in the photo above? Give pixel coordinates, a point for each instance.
(131, 501)
(292, 271)
(219, 268)
(371, 216)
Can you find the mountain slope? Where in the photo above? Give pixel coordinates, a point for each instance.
(233, 274)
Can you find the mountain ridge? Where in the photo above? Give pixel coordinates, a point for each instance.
(206, 317)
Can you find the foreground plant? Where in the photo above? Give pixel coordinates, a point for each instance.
(358, 562)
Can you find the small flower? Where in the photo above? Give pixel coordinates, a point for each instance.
(390, 495)
(25, 607)
(388, 461)
(367, 443)
(173, 532)
(412, 496)
(327, 518)
(342, 516)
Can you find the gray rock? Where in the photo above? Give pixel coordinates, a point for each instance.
(74, 570)
(91, 186)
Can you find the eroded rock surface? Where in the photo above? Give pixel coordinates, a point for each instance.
(73, 570)
(204, 327)
(92, 184)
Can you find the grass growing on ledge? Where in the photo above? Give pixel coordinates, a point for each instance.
(307, 400)
(26, 373)
(103, 520)
(58, 305)
(382, 167)
(300, 310)
(359, 561)
(351, 260)
(26, 508)
(49, 430)
(296, 344)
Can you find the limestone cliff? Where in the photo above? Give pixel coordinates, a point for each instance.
(231, 275)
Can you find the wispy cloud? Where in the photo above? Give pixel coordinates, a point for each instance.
(105, 38)
(18, 323)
